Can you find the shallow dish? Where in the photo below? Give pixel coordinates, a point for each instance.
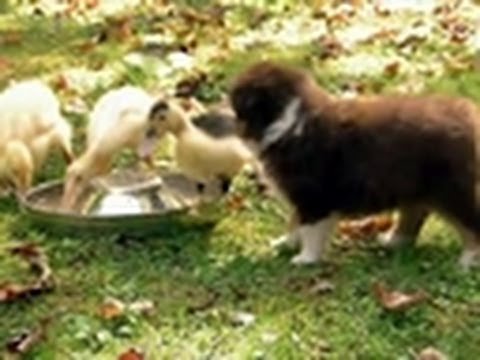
(124, 202)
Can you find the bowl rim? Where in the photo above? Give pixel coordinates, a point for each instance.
(59, 215)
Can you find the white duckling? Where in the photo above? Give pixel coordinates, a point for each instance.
(118, 121)
(31, 125)
(206, 147)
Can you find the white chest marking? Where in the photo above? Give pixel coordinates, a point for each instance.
(282, 125)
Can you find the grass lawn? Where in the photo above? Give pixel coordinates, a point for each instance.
(220, 291)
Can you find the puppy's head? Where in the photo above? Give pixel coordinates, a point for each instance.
(261, 94)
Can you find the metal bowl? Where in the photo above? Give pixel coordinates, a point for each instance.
(124, 202)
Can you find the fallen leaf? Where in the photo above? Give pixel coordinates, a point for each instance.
(414, 35)
(392, 69)
(39, 265)
(330, 47)
(61, 83)
(460, 32)
(9, 292)
(111, 308)
(322, 286)
(132, 354)
(236, 202)
(339, 15)
(89, 45)
(431, 353)
(366, 227)
(24, 342)
(189, 87)
(26, 251)
(10, 38)
(4, 64)
(397, 301)
(91, 4)
(37, 260)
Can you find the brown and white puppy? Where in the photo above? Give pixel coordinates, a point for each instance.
(331, 157)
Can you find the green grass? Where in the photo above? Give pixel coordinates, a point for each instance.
(229, 261)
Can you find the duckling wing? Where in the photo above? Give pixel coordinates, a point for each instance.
(109, 114)
(27, 109)
(215, 124)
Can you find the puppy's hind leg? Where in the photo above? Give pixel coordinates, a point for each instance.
(408, 227)
(313, 238)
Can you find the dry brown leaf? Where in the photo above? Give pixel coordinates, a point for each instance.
(122, 29)
(11, 38)
(10, 292)
(322, 286)
(88, 46)
(4, 64)
(26, 251)
(92, 4)
(189, 87)
(460, 33)
(392, 300)
(236, 202)
(132, 354)
(23, 342)
(39, 265)
(392, 69)
(330, 47)
(111, 308)
(60, 83)
(340, 15)
(37, 260)
(366, 227)
(431, 353)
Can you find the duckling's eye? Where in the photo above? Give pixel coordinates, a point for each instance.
(159, 111)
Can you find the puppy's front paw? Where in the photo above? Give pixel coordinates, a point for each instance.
(305, 259)
(289, 241)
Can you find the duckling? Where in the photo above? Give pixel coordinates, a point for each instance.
(31, 126)
(206, 147)
(118, 121)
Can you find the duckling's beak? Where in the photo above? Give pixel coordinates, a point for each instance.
(146, 149)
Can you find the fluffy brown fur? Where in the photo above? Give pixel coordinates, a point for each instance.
(330, 156)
